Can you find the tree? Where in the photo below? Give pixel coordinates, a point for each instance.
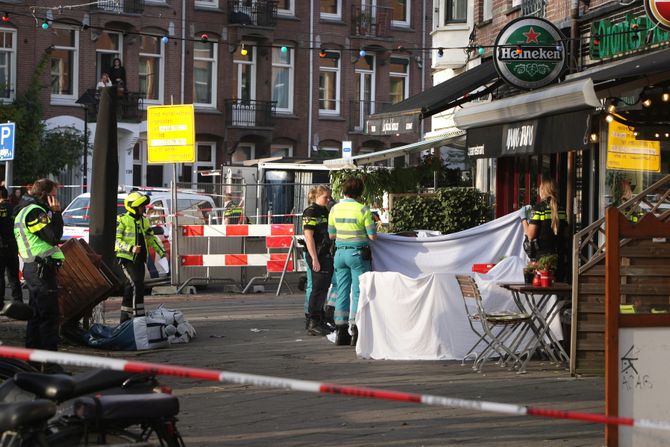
(39, 153)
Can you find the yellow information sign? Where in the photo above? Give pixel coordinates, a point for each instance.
(171, 134)
(626, 153)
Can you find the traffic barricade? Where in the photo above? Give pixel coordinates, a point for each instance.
(277, 256)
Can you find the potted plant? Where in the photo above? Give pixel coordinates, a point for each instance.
(547, 266)
(529, 272)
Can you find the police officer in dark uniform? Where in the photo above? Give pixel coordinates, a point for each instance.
(38, 228)
(319, 257)
(548, 228)
(9, 252)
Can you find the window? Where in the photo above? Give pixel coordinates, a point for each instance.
(329, 83)
(456, 11)
(487, 10)
(286, 7)
(64, 67)
(7, 64)
(205, 160)
(331, 9)
(401, 11)
(282, 79)
(244, 151)
(138, 164)
(150, 70)
(246, 72)
(281, 150)
(327, 152)
(207, 3)
(399, 79)
(107, 48)
(204, 73)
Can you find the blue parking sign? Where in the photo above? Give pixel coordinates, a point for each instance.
(7, 141)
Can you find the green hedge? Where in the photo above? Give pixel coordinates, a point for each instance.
(449, 210)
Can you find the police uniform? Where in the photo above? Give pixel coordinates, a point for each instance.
(315, 218)
(133, 229)
(9, 253)
(351, 222)
(232, 213)
(38, 231)
(548, 242)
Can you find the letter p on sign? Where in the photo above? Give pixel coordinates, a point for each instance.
(7, 133)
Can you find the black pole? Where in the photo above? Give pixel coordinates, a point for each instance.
(85, 178)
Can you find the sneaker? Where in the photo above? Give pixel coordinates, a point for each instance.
(343, 338)
(316, 328)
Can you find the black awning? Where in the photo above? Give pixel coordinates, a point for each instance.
(404, 116)
(563, 132)
(632, 67)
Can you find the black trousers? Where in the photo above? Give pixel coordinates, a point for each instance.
(9, 263)
(320, 284)
(133, 290)
(42, 328)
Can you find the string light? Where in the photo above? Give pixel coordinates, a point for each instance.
(165, 40)
(204, 37)
(322, 52)
(244, 50)
(440, 52)
(665, 96)
(362, 53)
(45, 25)
(481, 51)
(5, 17)
(283, 49)
(609, 118)
(611, 107)
(519, 50)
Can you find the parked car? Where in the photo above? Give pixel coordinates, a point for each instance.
(193, 208)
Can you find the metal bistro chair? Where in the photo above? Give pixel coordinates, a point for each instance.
(505, 342)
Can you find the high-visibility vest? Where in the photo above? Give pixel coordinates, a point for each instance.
(126, 236)
(351, 221)
(30, 244)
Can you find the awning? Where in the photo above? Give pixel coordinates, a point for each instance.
(365, 159)
(648, 64)
(546, 135)
(559, 98)
(404, 116)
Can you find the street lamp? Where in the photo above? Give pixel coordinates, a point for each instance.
(86, 100)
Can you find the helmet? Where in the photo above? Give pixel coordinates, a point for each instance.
(135, 200)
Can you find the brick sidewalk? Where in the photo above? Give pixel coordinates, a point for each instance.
(263, 334)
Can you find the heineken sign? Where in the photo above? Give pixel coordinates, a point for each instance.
(529, 53)
(659, 12)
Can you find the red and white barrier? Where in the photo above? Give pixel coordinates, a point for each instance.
(62, 358)
(276, 236)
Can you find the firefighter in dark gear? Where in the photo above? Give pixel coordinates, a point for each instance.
(38, 228)
(134, 236)
(9, 251)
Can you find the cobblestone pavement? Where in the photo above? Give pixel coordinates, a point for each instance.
(264, 334)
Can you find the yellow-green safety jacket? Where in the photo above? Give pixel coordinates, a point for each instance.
(126, 236)
(351, 222)
(30, 244)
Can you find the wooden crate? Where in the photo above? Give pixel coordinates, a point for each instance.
(84, 281)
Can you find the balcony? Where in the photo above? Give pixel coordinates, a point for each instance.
(253, 13)
(249, 113)
(358, 110)
(370, 21)
(128, 106)
(535, 8)
(119, 6)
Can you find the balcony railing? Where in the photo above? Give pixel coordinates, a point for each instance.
(370, 21)
(255, 13)
(128, 106)
(534, 8)
(359, 110)
(119, 6)
(250, 113)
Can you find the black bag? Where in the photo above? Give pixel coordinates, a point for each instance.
(530, 247)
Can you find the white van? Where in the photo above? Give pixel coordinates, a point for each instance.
(193, 208)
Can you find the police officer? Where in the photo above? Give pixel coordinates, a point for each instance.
(38, 228)
(319, 257)
(548, 226)
(232, 211)
(9, 251)
(350, 224)
(134, 236)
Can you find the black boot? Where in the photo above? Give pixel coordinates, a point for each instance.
(354, 335)
(314, 327)
(342, 335)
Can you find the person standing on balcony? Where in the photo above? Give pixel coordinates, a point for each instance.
(118, 75)
(104, 81)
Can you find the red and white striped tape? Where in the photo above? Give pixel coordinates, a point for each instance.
(274, 262)
(238, 230)
(316, 387)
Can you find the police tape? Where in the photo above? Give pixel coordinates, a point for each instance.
(62, 358)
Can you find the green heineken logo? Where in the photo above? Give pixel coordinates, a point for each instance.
(529, 53)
